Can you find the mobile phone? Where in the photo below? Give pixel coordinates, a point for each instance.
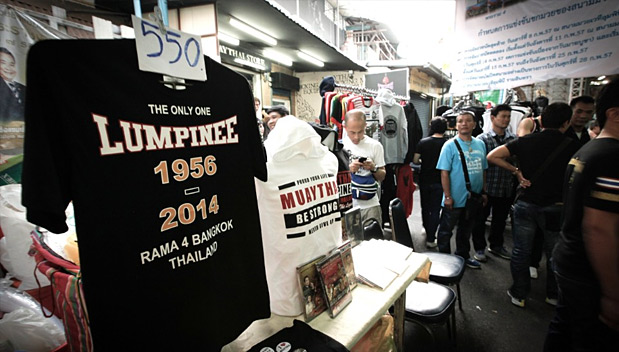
(362, 160)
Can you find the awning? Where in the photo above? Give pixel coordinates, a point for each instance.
(291, 36)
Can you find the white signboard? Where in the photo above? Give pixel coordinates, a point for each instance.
(507, 43)
(168, 51)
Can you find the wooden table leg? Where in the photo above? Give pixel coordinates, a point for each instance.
(399, 310)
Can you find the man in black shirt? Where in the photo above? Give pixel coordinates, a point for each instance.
(582, 113)
(430, 188)
(541, 169)
(586, 257)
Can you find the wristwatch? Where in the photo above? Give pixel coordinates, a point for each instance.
(374, 170)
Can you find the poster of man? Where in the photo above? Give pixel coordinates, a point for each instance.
(14, 45)
(12, 93)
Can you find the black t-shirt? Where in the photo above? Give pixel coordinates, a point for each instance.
(584, 135)
(532, 151)
(429, 149)
(590, 181)
(299, 337)
(162, 184)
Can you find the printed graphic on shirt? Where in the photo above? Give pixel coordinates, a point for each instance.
(474, 163)
(390, 127)
(309, 204)
(343, 184)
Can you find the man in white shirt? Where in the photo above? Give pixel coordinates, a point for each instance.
(367, 165)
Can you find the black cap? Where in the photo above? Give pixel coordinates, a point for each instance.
(327, 85)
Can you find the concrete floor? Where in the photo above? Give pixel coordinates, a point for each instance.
(488, 321)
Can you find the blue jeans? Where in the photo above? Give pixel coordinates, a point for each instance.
(449, 219)
(576, 326)
(527, 217)
(431, 197)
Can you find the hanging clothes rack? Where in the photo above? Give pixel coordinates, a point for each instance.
(367, 91)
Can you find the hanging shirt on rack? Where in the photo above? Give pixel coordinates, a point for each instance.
(328, 98)
(394, 132)
(337, 112)
(162, 185)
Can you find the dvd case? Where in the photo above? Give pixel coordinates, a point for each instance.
(334, 282)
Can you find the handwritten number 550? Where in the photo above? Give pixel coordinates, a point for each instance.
(171, 38)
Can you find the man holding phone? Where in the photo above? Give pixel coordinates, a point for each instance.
(367, 165)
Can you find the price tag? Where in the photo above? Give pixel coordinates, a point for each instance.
(168, 51)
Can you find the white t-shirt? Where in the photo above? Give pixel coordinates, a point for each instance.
(299, 209)
(371, 149)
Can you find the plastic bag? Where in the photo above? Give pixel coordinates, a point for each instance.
(379, 338)
(16, 243)
(29, 331)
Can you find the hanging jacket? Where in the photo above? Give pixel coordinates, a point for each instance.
(394, 132)
(415, 131)
(326, 85)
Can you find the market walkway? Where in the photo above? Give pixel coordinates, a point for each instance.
(488, 321)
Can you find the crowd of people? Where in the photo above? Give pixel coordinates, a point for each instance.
(556, 178)
(558, 181)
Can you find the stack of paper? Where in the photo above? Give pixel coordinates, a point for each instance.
(379, 262)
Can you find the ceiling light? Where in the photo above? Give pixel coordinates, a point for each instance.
(309, 58)
(601, 78)
(277, 56)
(253, 32)
(249, 63)
(228, 39)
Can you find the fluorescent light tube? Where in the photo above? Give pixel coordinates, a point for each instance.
(228, 39)
(310, 59)
(277, 56)
(253, 32)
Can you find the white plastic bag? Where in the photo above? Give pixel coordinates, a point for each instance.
(29, 331)
(16, 243)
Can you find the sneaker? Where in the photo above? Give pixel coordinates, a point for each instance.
(515, 301)
(533, 272)
(480, 256)
(472, 263)
(500, 252)
(551, 301)
(431, 244)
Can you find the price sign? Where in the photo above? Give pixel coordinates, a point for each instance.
(168, 51)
